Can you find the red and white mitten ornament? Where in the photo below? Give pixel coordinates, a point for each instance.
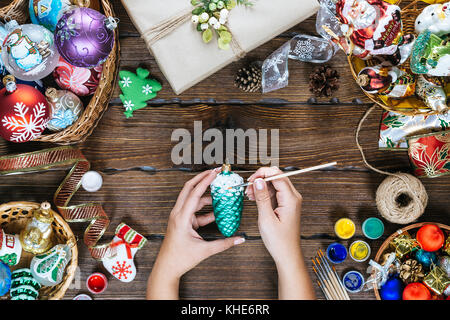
(24, 111)
(122, 250)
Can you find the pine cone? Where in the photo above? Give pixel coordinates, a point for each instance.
(411, 271)
(323, 81)
(248, 78)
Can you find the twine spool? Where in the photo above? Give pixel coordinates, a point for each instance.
(401, 198)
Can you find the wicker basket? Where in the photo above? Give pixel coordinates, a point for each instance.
(83, 127)
(410, 11)
(408, 229)
(13, 218)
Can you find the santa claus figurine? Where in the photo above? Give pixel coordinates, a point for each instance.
(373, 28)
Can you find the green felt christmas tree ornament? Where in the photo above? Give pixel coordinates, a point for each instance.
(137, 89)
(227, 202)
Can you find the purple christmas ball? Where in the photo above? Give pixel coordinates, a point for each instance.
(85, 37)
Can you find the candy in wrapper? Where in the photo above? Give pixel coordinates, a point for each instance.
(432, 94)
(404, 244)
(371, 28)
(387, 81)
(437, 280)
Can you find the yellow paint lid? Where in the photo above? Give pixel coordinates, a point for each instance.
(344, 228)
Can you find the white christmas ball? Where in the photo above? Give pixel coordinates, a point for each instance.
(92, 181)
(29, 52)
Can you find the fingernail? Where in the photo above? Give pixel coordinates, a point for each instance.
(259, 184)
(239, 241)
(218, 169)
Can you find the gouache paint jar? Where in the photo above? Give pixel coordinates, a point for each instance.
(344, 228)
(336, 253)
(373, 228)
(97, 283)
(359, 251)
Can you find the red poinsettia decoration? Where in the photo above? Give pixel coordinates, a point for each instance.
(430, 154)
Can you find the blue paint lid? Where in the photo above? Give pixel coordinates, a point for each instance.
(353, 281)
(336, 253)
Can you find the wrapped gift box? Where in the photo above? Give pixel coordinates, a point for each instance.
(181, 54)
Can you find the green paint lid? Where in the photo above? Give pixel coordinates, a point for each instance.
(373, 228)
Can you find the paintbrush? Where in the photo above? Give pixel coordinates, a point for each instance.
(334, 273)
(288, 174)
(333, 277)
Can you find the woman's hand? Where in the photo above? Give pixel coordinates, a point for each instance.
(279, 210)
(183, 248)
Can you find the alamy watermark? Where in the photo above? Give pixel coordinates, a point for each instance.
(236, 145)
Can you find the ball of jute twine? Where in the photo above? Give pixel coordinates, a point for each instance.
(401, 198)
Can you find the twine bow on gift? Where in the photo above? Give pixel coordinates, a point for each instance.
(63, 156)
(170, 24)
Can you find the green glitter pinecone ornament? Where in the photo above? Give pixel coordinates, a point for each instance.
(227, 203)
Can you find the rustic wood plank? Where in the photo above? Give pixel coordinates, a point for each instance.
(308, 135)
(144, 202)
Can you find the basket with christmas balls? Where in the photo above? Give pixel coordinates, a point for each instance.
(38, 252)
(58, 70)
(414, 264)
(398, 51)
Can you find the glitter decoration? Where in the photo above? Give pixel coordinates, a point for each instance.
(85, 37)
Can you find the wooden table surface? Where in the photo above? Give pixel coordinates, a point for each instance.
(141, 183)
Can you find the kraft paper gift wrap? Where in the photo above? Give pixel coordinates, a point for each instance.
(183, 57)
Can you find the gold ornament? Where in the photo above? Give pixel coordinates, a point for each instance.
(447, 245)
(404, 244)
(437, 280)
(37, 235)
(411, 271)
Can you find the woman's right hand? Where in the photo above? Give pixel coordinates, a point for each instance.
(279, 209)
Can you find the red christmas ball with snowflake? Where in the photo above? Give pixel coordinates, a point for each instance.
(24, 112)
(81, 81)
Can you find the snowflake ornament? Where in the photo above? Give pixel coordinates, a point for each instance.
(137, 89)
(23, 118)
(25, 125)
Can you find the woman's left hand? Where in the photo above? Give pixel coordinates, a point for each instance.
(183, 248)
